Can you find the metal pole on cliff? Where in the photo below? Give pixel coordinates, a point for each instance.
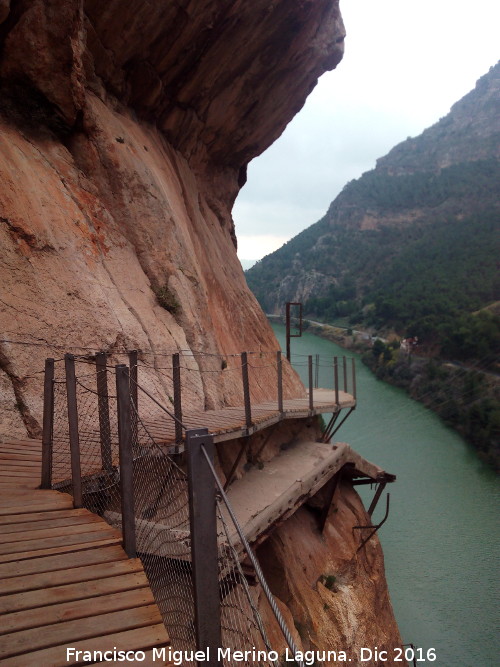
(203, 527)
(124, 402)
(287, 320)
(74, 438)
(246, 389)
(48, 424)
(289, 334)
(279, 364)
(176, 376)
(103, 410)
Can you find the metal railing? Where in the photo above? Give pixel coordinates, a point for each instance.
(171, 508)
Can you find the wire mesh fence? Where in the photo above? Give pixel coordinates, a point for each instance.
(86, 414)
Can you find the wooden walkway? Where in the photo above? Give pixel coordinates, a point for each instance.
(229, 423)
(65, 581)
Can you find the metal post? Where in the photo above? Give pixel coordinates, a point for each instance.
(376, 497)
(353, 378)
(279, 363)
(74, 440)
(246, 389)
(311, 390)
(176, 365)
(103, 410)
(336, 378)
(126, 460)
(134, 378)
(316, 378)
(48, 424)
(287, 324)
(345, 373)
(203, 525)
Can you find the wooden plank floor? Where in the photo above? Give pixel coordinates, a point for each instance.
(224, 424)
(64, 577)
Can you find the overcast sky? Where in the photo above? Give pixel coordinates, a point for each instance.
(405, 63)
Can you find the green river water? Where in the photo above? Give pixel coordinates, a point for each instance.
(441, 540)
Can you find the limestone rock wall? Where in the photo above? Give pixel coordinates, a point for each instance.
(336, 595)
(125, 129)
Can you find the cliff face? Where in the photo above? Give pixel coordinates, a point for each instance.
(337, 596)
(125, 130)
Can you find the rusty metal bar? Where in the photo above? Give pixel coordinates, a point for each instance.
(374, 528)
(246, 389)
(229, 478)
(414, 659)
(328, 435)
(336, 378)
(48, 424)
(203, 527)
(344, 363)
(74, 440)
(376, 497)
(176, 374)
(124, 404)
(353, 378)
(311, 384)
(103, 410)
(279, 365)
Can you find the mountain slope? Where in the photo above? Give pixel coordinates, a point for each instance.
(412, 242)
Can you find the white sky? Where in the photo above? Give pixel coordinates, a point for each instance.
(405, 63)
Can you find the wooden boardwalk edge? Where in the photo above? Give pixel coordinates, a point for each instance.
(65, 581)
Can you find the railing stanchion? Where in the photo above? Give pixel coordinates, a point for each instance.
(124, 402)
(344, 364)
(353, 378)
(316, 378)
(311, 384)
(336, 378)
(203, 526)
(103, 410)
(246, 389)
(48, 424)
(74, 440)
(279, 363)
(176, 366)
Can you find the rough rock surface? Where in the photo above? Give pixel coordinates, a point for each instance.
(337, 596)
(125, 130)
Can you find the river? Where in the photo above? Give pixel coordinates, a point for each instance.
(441, 541)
